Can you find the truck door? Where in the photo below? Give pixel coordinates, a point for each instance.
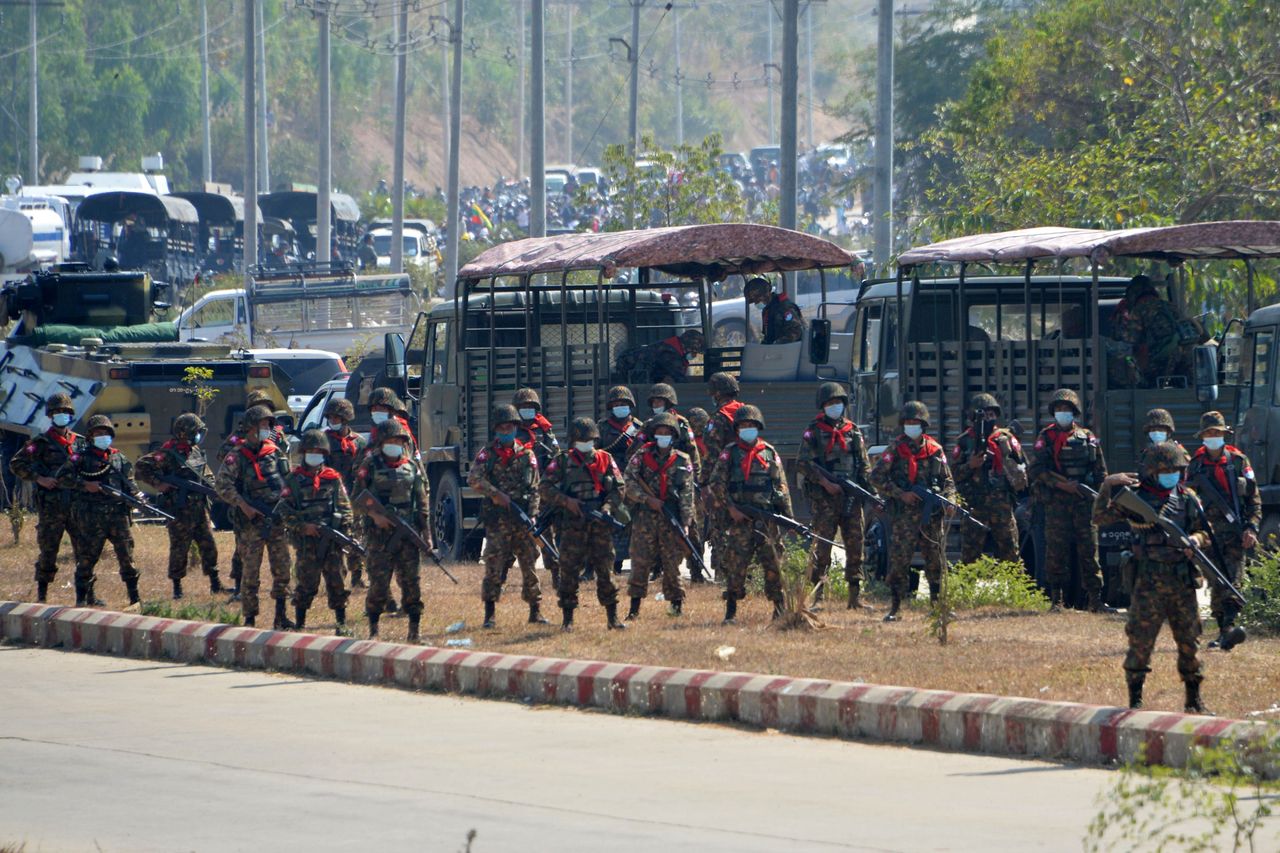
(1262, 397)
(875, 367)
(438, 417)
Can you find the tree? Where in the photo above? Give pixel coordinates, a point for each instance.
(684, 186)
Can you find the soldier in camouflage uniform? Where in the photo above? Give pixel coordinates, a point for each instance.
(1223, 479)
(584, 478)
(38, 463)
(749, 473)
(1158, 428)
(1166, 580)
(255, 472)
(503, 472)
(833, 443)
(657, 477)
(989, 470)
(780, 318)
(536, 433)
(1067, 455)
(346, 448)
(232, 443)
(99, 517)
(719, 434)
(313, 495)
(663, 400)
(698, 420)
(181, 457)
(385, 408)
(914, 459)
(619, 432)
(1151, 327)
(395, 479)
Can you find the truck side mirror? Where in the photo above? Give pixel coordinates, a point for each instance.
(819, 341)
(393, 355)
(1204, 369)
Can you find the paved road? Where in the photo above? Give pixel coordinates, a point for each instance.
(138, 755)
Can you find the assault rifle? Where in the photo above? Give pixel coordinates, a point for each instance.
(136, 503)
(538, 530)
(850, 486)
(780, 519)
(673, 519)
(932, 501)
(1081, 488)
(185, 487)
(333, 536)
(1204, 487)
(403, 529)
(592, 509)
(266, 520)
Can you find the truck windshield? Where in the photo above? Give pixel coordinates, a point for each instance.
(382, 245)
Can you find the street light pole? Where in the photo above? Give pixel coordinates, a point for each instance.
(250, 142)
(883, 187)
(397, 168)
(33, 113)
(790, 98)
(537, 122)
(455, 141)
(324, 184)
(206, 158)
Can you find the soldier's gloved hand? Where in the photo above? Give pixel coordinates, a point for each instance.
(910, 498)
(310, 530)
(1120, 478)
(574, 506)
(47, 482)
(655, 504)
(500, 499)
(92, 487)
(1248, 539)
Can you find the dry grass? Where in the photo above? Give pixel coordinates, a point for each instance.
(1066, 656)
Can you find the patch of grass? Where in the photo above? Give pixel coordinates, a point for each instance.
(209, 611)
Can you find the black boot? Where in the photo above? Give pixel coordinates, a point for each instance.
(215, 585)
(415, 619)
(489, 607)
(373, 624)
(1194, 704)
(819, 591)
(634, 612)
(695, 574)
(892, 615)
(731, 611)
(535, 615)
(566, 624)
(1096, 605)
(250, 621)
(92, 600)
(282, 622)
(131, 587)
(1055, 599)
(855, 595)
(177, 589)
(392, 609)
(42, 591)
(676, 608)
(611, 611)
(1231, 637)
(299, 616)
(357, 579)
(80, 594)
(617, 567)
(1135, 693)
(340, 616)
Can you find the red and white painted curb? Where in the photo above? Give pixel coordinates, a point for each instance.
(965, 722)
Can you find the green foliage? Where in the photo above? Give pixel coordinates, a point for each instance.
(682, 187)
(211, 612)
(797, 590)
(988, 582)
(1261, 612)
(196, 380)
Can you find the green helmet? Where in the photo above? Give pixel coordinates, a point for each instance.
(1166, 454)
(385, 397)
(665, 392)
(832, 391)
(748, 413)
(698, 419)
(504, 413)
(666, 419)
(187, 425)
(1065, 395)
(583, 429)
(914, 410)
(756, 287)
(99, 422)
(258, 397)
(528, 397)
(340, 407)
(621, 393)
(1159, 418)
(723, 383)
(58, 403)
(315, 439)
(982, 402)
(393, 428)
(1138, 286)
(255, 415)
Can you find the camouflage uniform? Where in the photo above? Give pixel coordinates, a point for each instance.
(668, 476)
(99, 517)
(664, 361)
(256, 471)
(617, 438)
(702, 500)
(685, 442)
(232, 443)
(182, 458)
(751, 475)
(592, 479)
(538, 434)
(990, 492)
(835, 446)
(346, 448)
(43, 456)
(903, 465)
(781, 321)
(718, 435)
(316, 495)
(1071, 453)
(1151, 327)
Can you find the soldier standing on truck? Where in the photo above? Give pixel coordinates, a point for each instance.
(180, 458)
(346, 447)
(913, 461)
(38, 462)
(832, 450)
(1223, 479)
(659, 478)
(619, 432)
(989, 469)
(505, 473)
(1151, 327)
(780, 319)
(536, 433)
(1066, 457)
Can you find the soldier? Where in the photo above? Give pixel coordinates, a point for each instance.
(659, 477)
(399, 484)
(250, 480)
(100, 517)
(584, 478)
(833, 444)
(914, 460)
(780, 319)
(315, 496)
(1151, 326)
(989, 471)
(181, 457)
(702, 501)
(504, 472)
(386, 408)
(664, 361)
(720, 431)
(1066, 456)
(748, 473)
(618, 435)
(1224, 481)
(536, 433)
(232, 443)
(346, 448)
(39, 462)
(663, 400)
(1165, 582)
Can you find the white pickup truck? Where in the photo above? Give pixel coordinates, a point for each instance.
(316, 310)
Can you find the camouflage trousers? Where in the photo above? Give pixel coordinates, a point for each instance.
(1163, 591)
(907, 535)
(55, 518)
(250, 547)
(97, 525)
(313, 559)
(1223, 606)
(586, 547)
(832, 513)
(998, 515)
(655, 545)
(191, 524)
(507, 542)
(743, 543)
(1069, 521)
(385, 558)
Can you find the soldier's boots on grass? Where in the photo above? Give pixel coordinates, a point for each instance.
(1055, 599)
(1194, 704)
(892, 615)
(855, 596)
(42, 591)
(1135, 693)
(299, 616)
(611, 611)
(634, 612)
(131, 587)
(489, 607)
(341, 630)
(415, 619)
(676, 608)
(535, 615)
(177, 589)
(566, 624)
(215, 585)
(731, 611)
(282, 622)
(373, 624)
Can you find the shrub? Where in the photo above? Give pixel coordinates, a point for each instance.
(212, 612)
(1262, 595)
(988, 582)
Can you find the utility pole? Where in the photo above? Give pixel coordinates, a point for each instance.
(790, 113)
(768, 78)
(808, 48)
(568, 87)
(520, 140)
(397, 168)
(679, 82)
(537, 122)
(448, 110)
(633, 128)
(324, 185)
(33, 116)
(250, 143)
(883, 187)
(264, 156)
(206, 159)
(455, 139)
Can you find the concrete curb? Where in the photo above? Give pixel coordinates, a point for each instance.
(964, 722)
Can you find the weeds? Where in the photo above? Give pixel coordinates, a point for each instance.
(797, 591)
(1261, 613)
(207, 612)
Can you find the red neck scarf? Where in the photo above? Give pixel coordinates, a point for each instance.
(1060, 437)
(675, 343)
(620, 426)
(730, 408)
(346, 441)
(265, 449)
(538, 422)
(651, 462)
(1217, 466)
(104, 455)
(173, 444)
(394, 463)
(405, 421)
(836, 434)
(324, 472)
(928, 447)
(1162, 494)
(505, 453)
(993, 447)
(597, 467)
(752, 453)
(65, 440)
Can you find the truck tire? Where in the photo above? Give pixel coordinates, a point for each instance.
(447, 514)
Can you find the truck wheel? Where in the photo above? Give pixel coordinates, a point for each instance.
(447, 515)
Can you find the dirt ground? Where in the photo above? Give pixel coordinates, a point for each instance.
(1063, 656)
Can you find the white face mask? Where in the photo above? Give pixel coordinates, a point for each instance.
(584, 446)
(1064, 419)
(61, 419)
(335, 426)
(834, 411)
(197, 438)
(1215, 442)
(313, 460)
(621, 411)
(380, 418)
(1157, 436)
(528, 414)
(657, 410)
(102, 442)
(264, 434)
(913, 431)
(663, 441)
(393, 451)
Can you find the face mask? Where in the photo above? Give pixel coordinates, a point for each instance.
(380, 418)
(264, 434)
(61, 419)
(621, 411)
(913, 431)
(584, 446)
(102, 442)
(749, 434)
(336, 426)
(393, 451)
(1157, 436)
(664, 441)
(314, 460)
(1215, 442)
(1168, 481)
(528, 414)
(834, 411)
(506, 437)
(1064, 419)
(759, 306)
(197, 438)
(657, 410)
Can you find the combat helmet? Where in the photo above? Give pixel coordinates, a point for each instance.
(666, 419)
(694, 340)
(698, 418)
(1213, 420)
(832, 391)
(527, 396)
(1159, 418)
(505, 413)
(393, 428)
(982, 402)
(257, 414)
(746, 413)
(1065, 395)
(340, 407)
(258, 397)
(1166, 454)
(583, 429)
(187, 425)
(723, 383)
(58, 402)
(315, 439)
(621, 392)
(756, 287)
(914, 410)
(665, 392)
(385, 397)
(99, 422)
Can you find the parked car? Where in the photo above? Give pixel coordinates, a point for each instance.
(730, 323)
(307, 370)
